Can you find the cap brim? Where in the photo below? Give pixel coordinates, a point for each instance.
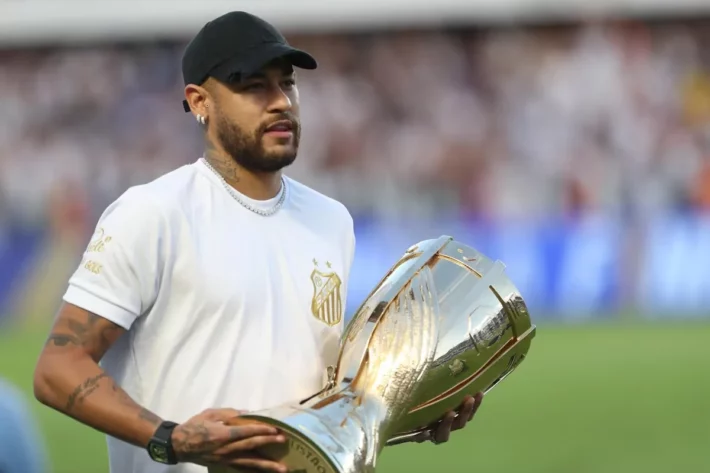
(258, 57)
(251, 62)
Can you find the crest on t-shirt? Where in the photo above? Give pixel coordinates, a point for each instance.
(327, 303)
(98, 241)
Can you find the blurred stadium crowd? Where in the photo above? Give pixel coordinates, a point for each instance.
(533, 122)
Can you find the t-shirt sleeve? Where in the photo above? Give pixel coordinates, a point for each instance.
(119, 274)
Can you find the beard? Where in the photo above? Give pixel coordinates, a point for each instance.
(248, 151)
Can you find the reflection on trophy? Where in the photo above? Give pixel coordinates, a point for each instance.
(445, 322)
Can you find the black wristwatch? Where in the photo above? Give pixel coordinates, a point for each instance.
(160, 447)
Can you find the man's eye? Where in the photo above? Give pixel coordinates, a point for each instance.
(290, 83)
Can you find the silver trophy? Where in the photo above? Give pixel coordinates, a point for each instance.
(444, 323)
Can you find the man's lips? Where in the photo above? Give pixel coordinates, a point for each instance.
(281, 126)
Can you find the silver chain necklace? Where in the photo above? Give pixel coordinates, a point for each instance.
(246, 205)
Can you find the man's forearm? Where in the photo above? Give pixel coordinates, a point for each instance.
(81, 389)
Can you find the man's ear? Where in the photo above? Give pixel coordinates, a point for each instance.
(198, 99)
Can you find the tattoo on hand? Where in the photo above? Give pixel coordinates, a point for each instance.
(191, 439)
(83, 391)
(195, 440)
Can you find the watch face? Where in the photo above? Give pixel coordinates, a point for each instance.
(159, 453)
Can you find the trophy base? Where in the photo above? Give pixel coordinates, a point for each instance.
(298, 453)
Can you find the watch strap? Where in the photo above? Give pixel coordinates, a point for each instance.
(160, 447)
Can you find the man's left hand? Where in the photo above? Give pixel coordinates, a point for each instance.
(454, 420)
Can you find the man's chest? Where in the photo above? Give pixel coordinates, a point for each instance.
(262, 303)
(281, 272)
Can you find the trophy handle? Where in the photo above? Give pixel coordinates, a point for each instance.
(328, 381)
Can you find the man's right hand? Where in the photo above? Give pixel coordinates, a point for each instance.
(206, 440)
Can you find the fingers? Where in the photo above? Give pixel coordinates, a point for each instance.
(443, 431)
(465, 413)
(251, 443)
(423, 437)
(250, 430)
(258, 464)
(456, 421)
(477, 400)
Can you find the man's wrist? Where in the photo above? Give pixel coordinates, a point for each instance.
(160, 447)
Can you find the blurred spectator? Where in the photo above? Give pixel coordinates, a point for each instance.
(21, 448)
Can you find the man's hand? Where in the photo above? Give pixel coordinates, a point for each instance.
(452, 421)
(206, 440)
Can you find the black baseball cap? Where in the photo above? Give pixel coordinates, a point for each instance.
(234, 46)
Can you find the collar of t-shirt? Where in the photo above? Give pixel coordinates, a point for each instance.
(259, 204)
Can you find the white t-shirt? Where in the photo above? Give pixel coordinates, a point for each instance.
(225, 308)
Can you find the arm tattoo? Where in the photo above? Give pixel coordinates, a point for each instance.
(146, 415)
(59, 340)
(83, 333)
(82, 330)
(122, 395)
(83, 391)
(89, 386)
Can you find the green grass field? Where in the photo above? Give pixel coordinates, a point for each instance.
(589, 399)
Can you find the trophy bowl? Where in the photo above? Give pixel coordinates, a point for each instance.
(445, 322)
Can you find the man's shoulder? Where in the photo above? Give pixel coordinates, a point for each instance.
(319, 202)
(161, 194)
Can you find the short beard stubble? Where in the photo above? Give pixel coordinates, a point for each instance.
(248, 150)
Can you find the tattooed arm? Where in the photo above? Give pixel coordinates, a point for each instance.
(68, 378)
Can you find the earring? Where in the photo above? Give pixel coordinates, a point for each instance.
(201, 119)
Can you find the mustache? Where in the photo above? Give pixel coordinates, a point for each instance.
(281, 117)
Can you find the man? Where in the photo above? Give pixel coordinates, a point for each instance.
(21, 447)
(196, 292)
